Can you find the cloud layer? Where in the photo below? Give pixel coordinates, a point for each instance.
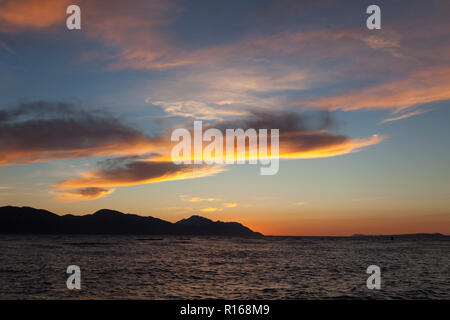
(301, 137)
(43, 131)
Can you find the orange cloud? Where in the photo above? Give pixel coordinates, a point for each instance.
(138, 172)
(296, 142)
(132, 30)
(43, 131)
(210, 209)
(25, 14)
(136, 57)
(122, 172)
(344, 146)
(83, 194)
(418, 88)
(297, 139)
(113, 22)
(135, 33)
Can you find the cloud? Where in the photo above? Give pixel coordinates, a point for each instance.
(195, 199)
(125, 172)
(215, 209)
(83, 194)
(221, 92)
(5, 191)
(213, 88)
(404, 116)
(236, 72)
(418, 88)
(224, 102)
(131, 31)
(210, 209)
(388, 42)
(313, 45)
(18, 16)
(184, 197)
(129, 171)
(42, 131)
(301, 136)
(152, 47)
(196, 109)
(300, 203)
(113, 23)
(324, 145)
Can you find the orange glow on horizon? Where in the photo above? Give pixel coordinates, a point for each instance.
(348, 227)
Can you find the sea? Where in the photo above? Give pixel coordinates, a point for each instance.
(174, 267)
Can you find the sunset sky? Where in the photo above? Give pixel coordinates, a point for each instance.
(364, 117)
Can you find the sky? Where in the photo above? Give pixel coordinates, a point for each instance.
(86, 115)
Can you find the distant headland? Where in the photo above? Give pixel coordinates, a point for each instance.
(405, 235)
(27, 220)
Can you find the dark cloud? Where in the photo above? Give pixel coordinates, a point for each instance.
(89, 193)
(117, 172)
(298, 132)
(135, 171)
(114, 163)
(283, 120)
(49, 130)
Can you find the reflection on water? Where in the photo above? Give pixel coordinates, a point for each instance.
(137, 267)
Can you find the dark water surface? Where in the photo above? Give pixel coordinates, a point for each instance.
(141, 267)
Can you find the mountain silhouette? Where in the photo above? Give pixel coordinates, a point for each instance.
(15, 220)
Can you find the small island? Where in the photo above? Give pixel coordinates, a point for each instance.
(406, 235)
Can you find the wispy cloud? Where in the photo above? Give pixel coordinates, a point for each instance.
(418, 88)
(196, 109)
(213, 78)
(227, 205)
(404, 116)
(184, 197)
(211, 209)
(202, 199)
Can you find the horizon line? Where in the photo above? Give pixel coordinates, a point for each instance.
(354, 235)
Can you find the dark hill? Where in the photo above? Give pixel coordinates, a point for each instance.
(203, 226)
(29, 220)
